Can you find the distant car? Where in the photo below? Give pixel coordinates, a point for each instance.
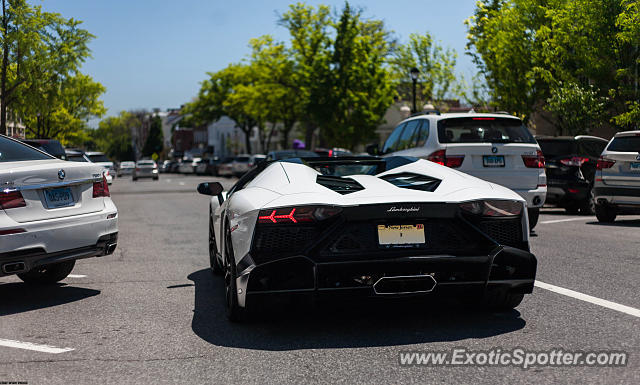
(145, 169)
(189, 166)
(286, 154)
(570, 164)
(224, 167)
(126, 168)
(243, 162)
(50, 146)
(332, 152)
(101, 159)
(208, 166)
(495, 147)
(52, 212)
(174, 166)
(166, 166)
(617, 184)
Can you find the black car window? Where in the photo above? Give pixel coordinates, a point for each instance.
(483, 130)
(552, 148)
(625, 144)
(408, 137)
(591, 148)
(76, 158)
(390, 144)
(14, 151)
(98, 158)
(423, 133)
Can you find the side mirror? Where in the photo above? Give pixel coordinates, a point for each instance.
(373, 149)
(213, 189)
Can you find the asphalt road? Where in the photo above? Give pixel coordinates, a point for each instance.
(152, 312)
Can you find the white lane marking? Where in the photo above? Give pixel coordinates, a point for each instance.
(76, 276)
(567, 220)
(587, 298)
(31, 346)
(167, 180)
(181, 183)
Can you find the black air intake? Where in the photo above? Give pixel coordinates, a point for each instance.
(339, 184)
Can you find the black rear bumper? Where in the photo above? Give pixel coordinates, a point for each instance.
(24, 260)
(457, 276)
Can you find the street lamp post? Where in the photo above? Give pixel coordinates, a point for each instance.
(414, 78)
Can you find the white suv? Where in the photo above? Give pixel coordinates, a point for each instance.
(617, 184)
(494, 147)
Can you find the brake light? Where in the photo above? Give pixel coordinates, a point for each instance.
(483, 118)
(440, 157)
(604, 163)
(330, 153)
(11, 200)
(574, 161)
(304, 214)
(534, 161)
(497, 208)
(137, 168)
(101, 189)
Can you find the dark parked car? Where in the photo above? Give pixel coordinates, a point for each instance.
(50, 146)
(571, 167)
(332, 152)
(75, 156)
(286, 154)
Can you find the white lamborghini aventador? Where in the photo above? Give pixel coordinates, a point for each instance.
(367, 226)
(52, 212)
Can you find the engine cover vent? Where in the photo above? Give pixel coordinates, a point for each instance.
(413, 181)
(339, 184)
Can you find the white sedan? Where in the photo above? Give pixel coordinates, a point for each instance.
(52, 212)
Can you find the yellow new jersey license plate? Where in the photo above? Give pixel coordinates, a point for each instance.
(401, 234)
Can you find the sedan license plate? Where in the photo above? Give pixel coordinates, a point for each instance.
(398, 235)
(58, 197)
(634, 166)
(493, 160)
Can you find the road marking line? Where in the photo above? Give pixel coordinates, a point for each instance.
(566, 220)
(181, 183)
(587, 298)
(31, 346)
(76, 276)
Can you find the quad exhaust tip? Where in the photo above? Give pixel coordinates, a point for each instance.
(408, 284)
(14, 268)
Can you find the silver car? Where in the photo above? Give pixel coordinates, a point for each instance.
(617, 182)
(145, 169)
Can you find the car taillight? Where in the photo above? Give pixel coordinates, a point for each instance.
(493, 208)
(101, 189)
(534, 161)
(574, 161)
(440, 157)
(11, 200)
(137, 168)
(604, 163)
(302, 214)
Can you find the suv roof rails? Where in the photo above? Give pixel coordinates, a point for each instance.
(426, 112)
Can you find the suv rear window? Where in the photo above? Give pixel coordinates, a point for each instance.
(52, 147)
(554, 147)
(483, 130)
(625, 144)
(13, 151)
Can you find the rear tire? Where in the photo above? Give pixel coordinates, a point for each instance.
(534, 214)
(216, 268)
(235, 313)
(606, 213)
(588, 207)
(502, 300)
(48, 274)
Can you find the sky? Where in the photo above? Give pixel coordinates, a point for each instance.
(154, 53)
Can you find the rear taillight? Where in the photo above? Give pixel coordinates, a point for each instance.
(137, 168)
(11, 200)
(101, 189)
(440, 157)
(604, 163)
(301, 214)
(494, 208)
(534, 161)
(574, 161)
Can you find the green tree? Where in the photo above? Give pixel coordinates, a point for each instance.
(39, 51)
(577, 109)
(359, 83)
(154, 143)
(113, 135)
(436, 64)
